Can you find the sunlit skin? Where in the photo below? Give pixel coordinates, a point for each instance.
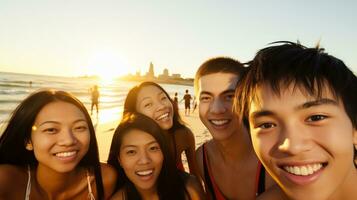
(60, 137)
(141, 158)
(305, 143)
(216, 93)
(154, 103)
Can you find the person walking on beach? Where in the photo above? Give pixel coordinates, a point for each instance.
(301, 105)
(227, 163)
(187, 98)
(95, 99)
(175, 101)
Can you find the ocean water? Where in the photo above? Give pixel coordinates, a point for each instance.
(15, 87)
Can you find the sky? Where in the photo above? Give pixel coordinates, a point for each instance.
(115, 37)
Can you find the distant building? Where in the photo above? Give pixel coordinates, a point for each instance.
(176, 76)
(150, 73)
(164, 75)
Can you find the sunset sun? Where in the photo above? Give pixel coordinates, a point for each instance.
(107, 66)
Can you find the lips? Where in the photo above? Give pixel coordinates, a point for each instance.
(66, 154)
(219, 122)
(144, 172)
(163, 117)
(303, 170)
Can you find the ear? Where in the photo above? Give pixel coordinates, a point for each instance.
(355, 139)
(119, 161)
(29, 146)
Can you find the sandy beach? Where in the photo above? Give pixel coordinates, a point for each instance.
(105, 133)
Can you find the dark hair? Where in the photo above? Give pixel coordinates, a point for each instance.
(132, 98)
(218, 65)
(169, 184)
(310, 69)
(18, 133)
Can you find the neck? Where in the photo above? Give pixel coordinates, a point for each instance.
(238, 146)
(52, 184)
(150, 194)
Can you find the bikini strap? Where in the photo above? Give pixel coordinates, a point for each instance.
(260, 179)
(28, 187)
(212, 186)
(90, 193)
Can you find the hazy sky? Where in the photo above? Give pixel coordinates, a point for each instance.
(77, 37)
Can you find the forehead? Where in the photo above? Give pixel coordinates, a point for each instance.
(59, 110)
(137, 137)
(265, 97)
(217, 82)
(149, 91)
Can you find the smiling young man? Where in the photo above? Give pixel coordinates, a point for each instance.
(302, 111)
(227, 162)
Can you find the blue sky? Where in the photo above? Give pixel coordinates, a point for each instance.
(109, 37)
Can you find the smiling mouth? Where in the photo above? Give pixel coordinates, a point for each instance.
(66, 154)
(163, 117)
(303, 170)
(145, 172)
(219, 122)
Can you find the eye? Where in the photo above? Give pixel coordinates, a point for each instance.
(205, 98)
(163, 98)
(315, 118)
(80, 128)
(50, 130)
(147, 105)
(229, 97)
(130, 152)
(266, 125)
(155, 148)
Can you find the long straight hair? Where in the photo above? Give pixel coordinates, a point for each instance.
(18, 132)
(170, 185)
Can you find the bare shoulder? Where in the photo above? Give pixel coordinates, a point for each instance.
(194, 188)
(109, 176)
(272, 193)
(199, 158)
(13, 179)
(119, 195)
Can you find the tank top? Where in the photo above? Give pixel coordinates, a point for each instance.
(28, 187)
(213, 187)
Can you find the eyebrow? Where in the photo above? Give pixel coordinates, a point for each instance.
(309, 104)
(131, 145)
(160, 93)
(223, 93)
(56, 122)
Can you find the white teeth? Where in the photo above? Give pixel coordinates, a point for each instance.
(219, 122)
(163, 116)
(303, 170)
(66, 154)
(144, 173)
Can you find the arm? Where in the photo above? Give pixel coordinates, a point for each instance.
(109, 176)
(194, 188)
(190, 152)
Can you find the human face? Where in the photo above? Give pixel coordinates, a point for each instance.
(141, 158)
(305, 143)
(216, 94)
(60, 137)
(154, 103)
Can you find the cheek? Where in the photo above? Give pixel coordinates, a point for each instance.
(263, 145)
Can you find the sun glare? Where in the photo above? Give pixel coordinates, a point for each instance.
(107, 66)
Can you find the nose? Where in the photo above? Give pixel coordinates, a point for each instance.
(217, 106)
(144, 158)
(294, 140)
(66, 137)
